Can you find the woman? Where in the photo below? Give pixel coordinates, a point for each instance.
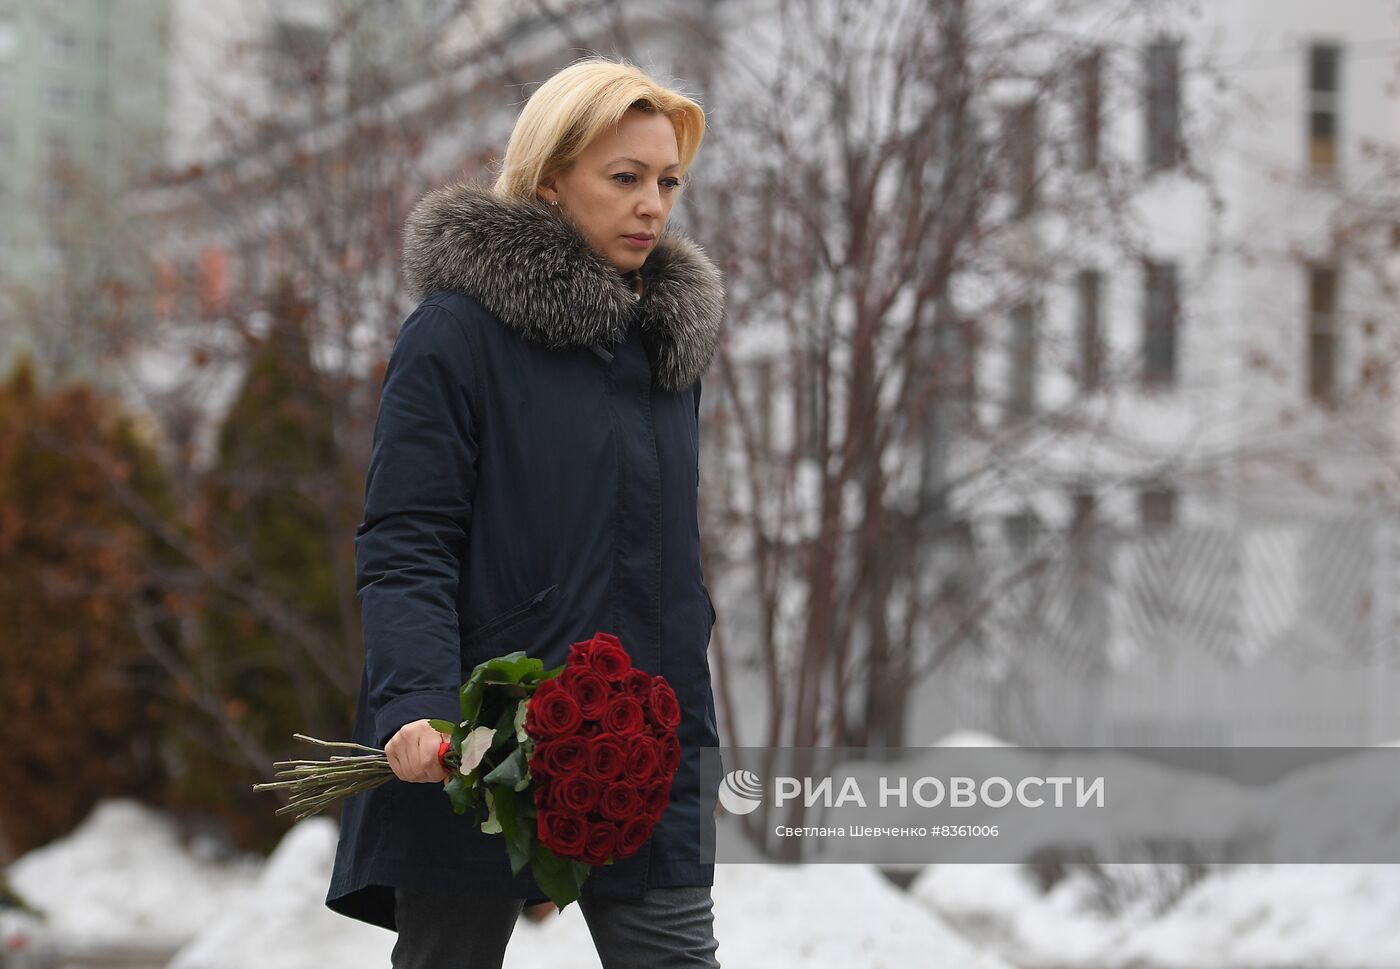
(533, 480)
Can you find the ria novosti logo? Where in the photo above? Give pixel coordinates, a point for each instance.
(740, 792)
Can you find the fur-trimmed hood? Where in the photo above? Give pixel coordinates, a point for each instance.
(533, 270)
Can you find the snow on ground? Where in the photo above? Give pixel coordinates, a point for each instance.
(766, 916)
(1339, 916)
(971, 738)
(123, 877)
(776, 916)
(283, 923)
(1283, 915)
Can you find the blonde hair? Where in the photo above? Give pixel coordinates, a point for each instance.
(574, 106)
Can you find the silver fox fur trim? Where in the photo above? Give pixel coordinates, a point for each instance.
(533, 270)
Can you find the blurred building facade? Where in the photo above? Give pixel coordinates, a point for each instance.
(1220, 509)
(1210, 471)
(83, 116)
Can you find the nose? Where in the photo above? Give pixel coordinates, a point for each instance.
(649, 204)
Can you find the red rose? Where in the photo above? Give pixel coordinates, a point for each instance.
(665, 708)
(551, 712)
(607, 638)
(578, 654)
(563, 833)
(607, 755)
(606, 656)
(602, 842)
(620, 801)
(589, 690)
(560, 758)
(656, 797)
(637, 683)
(547, 795)
(670, 754)
(624, 716)
(643, 759)
(635, 831)
(579, 792)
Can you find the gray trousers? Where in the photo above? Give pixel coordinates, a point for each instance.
(667, 928)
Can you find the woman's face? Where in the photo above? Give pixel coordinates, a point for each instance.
(621, 188)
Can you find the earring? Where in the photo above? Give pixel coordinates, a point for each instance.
(553, 201)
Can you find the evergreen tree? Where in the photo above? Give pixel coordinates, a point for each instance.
(75, 723)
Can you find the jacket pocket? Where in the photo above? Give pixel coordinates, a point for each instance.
(540, 602)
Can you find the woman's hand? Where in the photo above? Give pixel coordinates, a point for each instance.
(413, 753)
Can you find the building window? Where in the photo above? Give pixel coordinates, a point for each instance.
(1163, 69)
(61, 97)
(1021, 137)
(57, 191)
(299, 53)
(1085, 508)
(1022, 530)
(1157, 507)
(63, 42)
(1090, 289)
(1161, 319)
(1021, 399)
(60, 147)
(808, 404)
(1322, 333)
(1324, 83)
(1089, 110)
(763, 384)
(954, 362)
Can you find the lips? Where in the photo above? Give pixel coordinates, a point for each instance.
(642, 237)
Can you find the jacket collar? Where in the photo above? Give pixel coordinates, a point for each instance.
(532, 269)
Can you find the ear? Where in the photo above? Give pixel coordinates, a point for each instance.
(547, 191)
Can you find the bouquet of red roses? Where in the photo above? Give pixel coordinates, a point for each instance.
(573, 764)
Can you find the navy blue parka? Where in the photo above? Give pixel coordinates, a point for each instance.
(533, 480)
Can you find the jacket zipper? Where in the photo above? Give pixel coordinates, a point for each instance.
(513, 615)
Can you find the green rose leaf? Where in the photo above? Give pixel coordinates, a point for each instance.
(512, 667)
(492, 824)
(458, 794)
(442, 726)
(505, 727)
(470, 695)
(510, 772)
(554, 875)
(580, 870)
(515, 829)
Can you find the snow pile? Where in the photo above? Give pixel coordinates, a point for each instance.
(971, 738)
(786, 917)
(815, 916)
(1282, 915)
(1341, 916)
(1277, 915)
(1001, 906)
(767, 916)
(283, 922)
(123, 877)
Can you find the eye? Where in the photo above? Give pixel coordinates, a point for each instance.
(669, 184)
